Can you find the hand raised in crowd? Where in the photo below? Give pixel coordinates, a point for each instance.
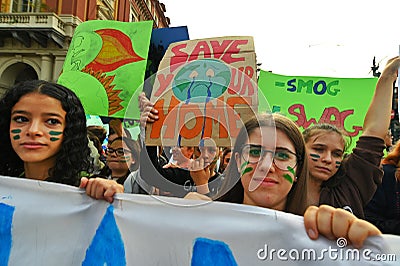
(391, 69)
(148, 114)
(200, 173)
(336, 222)
(100, 188)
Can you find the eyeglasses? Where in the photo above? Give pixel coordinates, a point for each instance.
(119, 152)
(282, 158)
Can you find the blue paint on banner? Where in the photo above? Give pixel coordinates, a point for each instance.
(6, 216)
(207, 252)
(107, 247)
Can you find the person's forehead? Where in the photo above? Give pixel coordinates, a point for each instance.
(116, 144)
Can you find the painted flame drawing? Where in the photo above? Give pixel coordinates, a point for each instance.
(116, 51)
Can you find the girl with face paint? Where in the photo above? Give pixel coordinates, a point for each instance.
(44, 133)
(268, 169)
(350, 183)
(122, 158)
(44, 137)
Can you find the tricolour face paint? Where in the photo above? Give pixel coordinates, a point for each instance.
(338, 163)
(55, 133)
(314, 157)
(245, 169)
(16, 133)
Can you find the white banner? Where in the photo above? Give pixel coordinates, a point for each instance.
(44, 223)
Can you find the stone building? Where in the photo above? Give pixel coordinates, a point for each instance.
(35, 34)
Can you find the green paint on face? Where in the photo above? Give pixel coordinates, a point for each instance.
(54, 139)
(16, 131)
(244, 165)
(16, 137)
(288, 178)
(248, 169)
(245, 169)
(126, 158)
(290, 169)
(55, 133)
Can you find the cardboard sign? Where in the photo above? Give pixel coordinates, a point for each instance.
(204, 89)
(342, 102)
(106, 64)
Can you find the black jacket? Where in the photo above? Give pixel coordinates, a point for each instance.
(384, 208)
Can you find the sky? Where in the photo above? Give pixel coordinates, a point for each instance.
(331, 38)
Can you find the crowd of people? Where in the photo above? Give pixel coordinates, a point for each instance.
(272, 164)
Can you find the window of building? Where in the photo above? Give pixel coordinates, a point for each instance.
(25, 6)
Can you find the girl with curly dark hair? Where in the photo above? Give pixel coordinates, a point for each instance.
(45, 136)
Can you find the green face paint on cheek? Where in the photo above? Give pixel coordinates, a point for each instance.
(338, 164)
(55, 133)
(288, 177)
(245, 169)
(125, 159)
(16, 131)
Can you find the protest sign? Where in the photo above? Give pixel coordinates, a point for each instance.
(342, 102)
(106, 64)
(204, 88)
(45, 223)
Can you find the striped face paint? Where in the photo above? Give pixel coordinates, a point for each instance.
(314, 157)
(54, 134)
(15, 133)
(338, 163)
(124, 159)
(288, 177)
(244, 169)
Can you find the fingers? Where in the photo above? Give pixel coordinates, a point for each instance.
(197, 196)
(99, 188)
(359, 231)
(341, 222)
(111, 190)
(310, 222)
(197, 165)
(84, 182)
(148, 115)
(318, 220)
(335, 222)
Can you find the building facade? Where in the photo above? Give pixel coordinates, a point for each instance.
(35, 35)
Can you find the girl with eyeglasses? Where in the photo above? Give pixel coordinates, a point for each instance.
(267, 170)
(266, 167)
(122, 158)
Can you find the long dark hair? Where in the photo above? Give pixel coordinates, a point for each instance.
(74, 155)
(297, 198)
